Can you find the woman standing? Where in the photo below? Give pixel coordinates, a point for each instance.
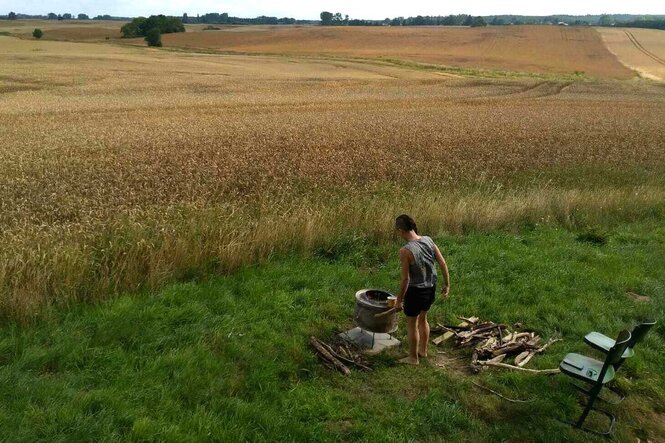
(418, 284)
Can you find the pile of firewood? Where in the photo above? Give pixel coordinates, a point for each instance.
(339, 355)
(494, 344)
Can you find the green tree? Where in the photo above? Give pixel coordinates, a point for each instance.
(326, 18)
(52, 16)
(153, 37)
(37, 33)
(141, 25)
(133, 28)
(12, 16)
(83, 17)
(606, 20)
(478, 22)
(66, 16)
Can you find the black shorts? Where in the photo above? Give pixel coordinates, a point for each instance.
(417, 300)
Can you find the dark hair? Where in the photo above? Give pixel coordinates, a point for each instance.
(406, 223)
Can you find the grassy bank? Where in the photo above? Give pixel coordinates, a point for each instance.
(228, 359)
(42, 265)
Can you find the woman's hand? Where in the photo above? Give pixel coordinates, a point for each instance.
(445, 291)
(398, 305)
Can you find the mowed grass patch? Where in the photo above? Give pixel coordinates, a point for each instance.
(229, 360)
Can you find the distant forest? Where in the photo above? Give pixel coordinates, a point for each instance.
(337, 19)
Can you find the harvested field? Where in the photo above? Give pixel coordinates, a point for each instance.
(126, 167)
(73, 30)
(543, 49)
(640, 49)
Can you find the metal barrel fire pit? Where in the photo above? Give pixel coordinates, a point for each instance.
(370, 302)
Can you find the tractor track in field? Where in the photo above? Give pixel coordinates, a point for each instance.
(642, 49)
(541, 89)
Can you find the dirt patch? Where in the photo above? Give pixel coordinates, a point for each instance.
(637, 298)
(451, 361)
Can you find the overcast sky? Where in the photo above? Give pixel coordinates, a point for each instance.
(310, 9)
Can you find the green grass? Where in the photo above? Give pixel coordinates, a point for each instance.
(228, 359)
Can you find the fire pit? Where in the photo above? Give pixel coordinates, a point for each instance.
(370, 302)
(372, 333)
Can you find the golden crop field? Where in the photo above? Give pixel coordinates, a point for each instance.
(640, 49)
(75, 30)
(126, 167)
(547, 49)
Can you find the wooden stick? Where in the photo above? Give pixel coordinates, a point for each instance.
(324, 352)
(499, 395)
(526, 359)
(521, 357)
(548, 343)
(517, 368)
(440, 339)
(497, 359)
(343, 358)
(388, 312)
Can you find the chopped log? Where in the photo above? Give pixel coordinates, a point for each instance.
(324, 352)
(526, 359)
(448, 335)
(517, 368)
(517, 335)
(534, 341)
(510, 349)
(441, 338)
(467, 337)
(471, 320)
(497, 359)
(521, 357)
(456, 328)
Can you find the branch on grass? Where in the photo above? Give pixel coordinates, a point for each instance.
(517, 368)
(500, 395)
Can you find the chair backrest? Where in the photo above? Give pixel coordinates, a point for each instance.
(640, 331)
(616, 351)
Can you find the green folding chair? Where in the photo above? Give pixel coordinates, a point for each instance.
(603, 343)
(597, 374)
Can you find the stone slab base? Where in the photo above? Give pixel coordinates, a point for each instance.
(373, 343)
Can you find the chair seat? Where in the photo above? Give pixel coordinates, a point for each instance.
(603, 343)
(585, 368)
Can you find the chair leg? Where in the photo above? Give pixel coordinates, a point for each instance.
(589, 405)
(620, 395)
(593, 395)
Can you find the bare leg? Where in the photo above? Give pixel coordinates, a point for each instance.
(423, 334)
(412, 333)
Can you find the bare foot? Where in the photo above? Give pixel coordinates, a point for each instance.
(422, 355)
(409, 361)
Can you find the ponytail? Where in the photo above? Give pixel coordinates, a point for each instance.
(406, 223)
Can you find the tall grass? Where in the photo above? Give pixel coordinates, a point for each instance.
(89, 263)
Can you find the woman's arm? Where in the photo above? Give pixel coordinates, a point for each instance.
(404, 260)
(446, 275)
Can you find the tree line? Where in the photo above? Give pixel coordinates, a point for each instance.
(337, 19)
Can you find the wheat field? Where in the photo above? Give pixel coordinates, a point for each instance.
(125, 167)
(542, 49)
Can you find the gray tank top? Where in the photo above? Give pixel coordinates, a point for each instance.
(422, 272)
